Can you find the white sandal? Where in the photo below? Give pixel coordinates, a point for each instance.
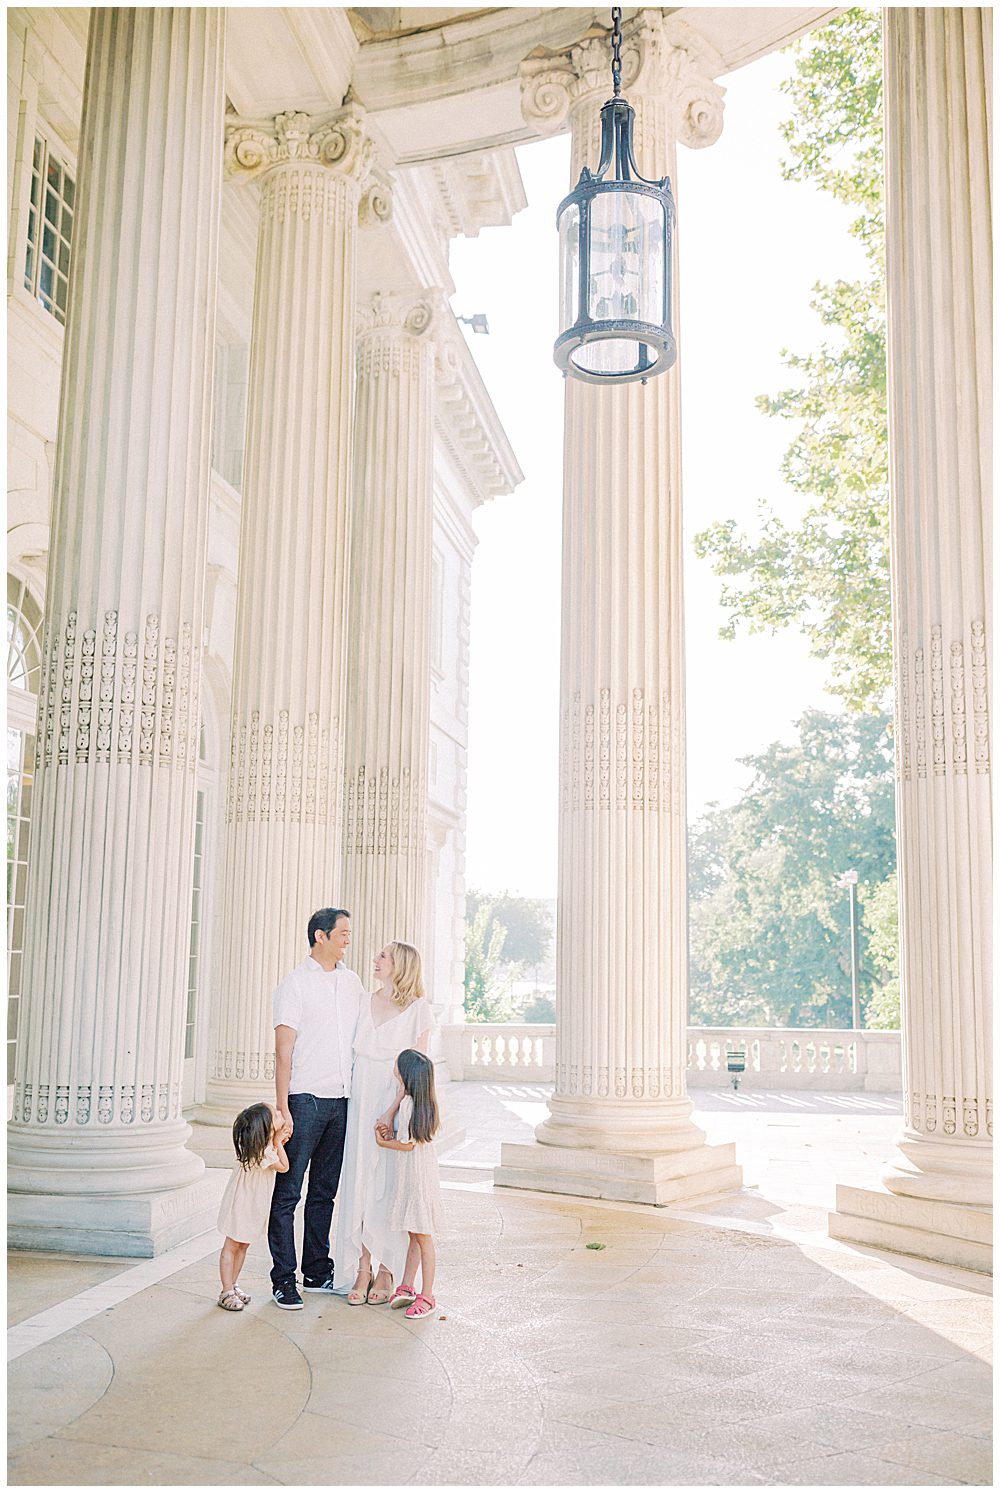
(231, 1300)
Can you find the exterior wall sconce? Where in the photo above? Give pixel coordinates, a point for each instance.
(615, 260)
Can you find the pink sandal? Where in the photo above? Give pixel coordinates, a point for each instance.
(422, 1306)
(402, 1296)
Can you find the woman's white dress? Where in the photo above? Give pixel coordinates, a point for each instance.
(363, 1196)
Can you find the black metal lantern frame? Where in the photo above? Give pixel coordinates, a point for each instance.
(616, 246)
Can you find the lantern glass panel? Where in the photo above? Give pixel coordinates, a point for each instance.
(569, 267)
(626, 258)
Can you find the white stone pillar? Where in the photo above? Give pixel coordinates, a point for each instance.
(939, 254)
(620, 1119)
(388, 713)
(97, 1155)
(283, 805)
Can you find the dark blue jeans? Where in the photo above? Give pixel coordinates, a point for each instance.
(317, 1142)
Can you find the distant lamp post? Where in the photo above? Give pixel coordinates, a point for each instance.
(615, 258)
(850, 881)
(478, 323)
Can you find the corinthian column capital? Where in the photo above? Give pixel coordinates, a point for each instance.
(339, 141)
(415, 312)
(662, 57)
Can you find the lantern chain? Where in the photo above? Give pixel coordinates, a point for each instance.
(616, 48)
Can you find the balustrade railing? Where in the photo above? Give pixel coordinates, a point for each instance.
(776, 1057)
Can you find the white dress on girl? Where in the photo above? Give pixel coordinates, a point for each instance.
(364, 1193)
(246, 1201)
(415, 1205)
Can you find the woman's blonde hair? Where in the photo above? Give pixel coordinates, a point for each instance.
(407, 977)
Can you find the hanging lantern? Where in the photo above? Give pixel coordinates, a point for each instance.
(615, 264)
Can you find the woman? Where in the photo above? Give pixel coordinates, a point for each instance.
(397, 1015)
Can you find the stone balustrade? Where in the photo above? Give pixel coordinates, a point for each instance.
(776, 1057)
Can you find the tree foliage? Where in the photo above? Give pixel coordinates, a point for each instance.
(770, 933)
(828, 573)
(881, 924)
(526, 923)
(487, 978)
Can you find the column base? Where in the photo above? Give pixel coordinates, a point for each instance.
(660, 1178)
(135, 1227)
(950, 1233)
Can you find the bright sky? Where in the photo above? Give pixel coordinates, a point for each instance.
(752, 248)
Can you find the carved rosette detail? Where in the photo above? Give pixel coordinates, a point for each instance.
(661, 57)
(337, 141)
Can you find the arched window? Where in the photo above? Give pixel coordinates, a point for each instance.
(24, 667)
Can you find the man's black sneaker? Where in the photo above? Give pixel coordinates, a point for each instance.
(325, 1286)
(287, 1297)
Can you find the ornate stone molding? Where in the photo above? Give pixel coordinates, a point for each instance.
(662, 56)
(339, 141)
(415, 313)
(375, 207)
(384, 813)
(119, 696)
(620, 754)
(57, 1104)
(283, 771)
(938, 694)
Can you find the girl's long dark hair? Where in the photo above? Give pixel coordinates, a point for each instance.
(252, 1134)
(417, 1074)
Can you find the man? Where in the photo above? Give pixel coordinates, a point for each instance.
(315, 1012)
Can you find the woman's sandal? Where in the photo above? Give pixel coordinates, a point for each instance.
(231, 1300)
(380, 1296)
(403, 1296)
(358, 1298)
(422, 1307)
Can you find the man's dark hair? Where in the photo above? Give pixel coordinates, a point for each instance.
(326, 920)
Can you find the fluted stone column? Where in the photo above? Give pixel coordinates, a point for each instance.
(388, 699)
(283, 852)
(620, 1119)
(98, 1161)
(939, 253)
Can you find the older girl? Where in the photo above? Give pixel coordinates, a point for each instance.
(414, 1184)
(397, 1015)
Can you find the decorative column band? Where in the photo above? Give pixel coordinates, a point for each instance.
(117, 696)
(588, 1081)
(624, 754)
(938, 698)
(283, 771)
(384, 813)
(125, 1104)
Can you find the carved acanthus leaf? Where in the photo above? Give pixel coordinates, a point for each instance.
(339, 141)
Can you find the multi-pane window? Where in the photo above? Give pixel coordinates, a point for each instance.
(24, 621)
(50, 230)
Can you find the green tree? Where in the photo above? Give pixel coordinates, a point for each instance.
(487, 978)
(541, 1008)
(526, 922)
(880, 918)
(828, 573)
(770, 942)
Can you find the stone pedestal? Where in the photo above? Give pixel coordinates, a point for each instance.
(936, 1194)
(283, 851)
(387, 724)
(620, 1119)
(97, 1143)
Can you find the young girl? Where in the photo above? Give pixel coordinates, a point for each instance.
(259, 1134)
(415, 1203)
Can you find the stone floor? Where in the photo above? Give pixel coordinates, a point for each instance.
(732, 1344)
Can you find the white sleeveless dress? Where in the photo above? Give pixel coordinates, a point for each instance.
(415, 1187)
(364, 1194)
